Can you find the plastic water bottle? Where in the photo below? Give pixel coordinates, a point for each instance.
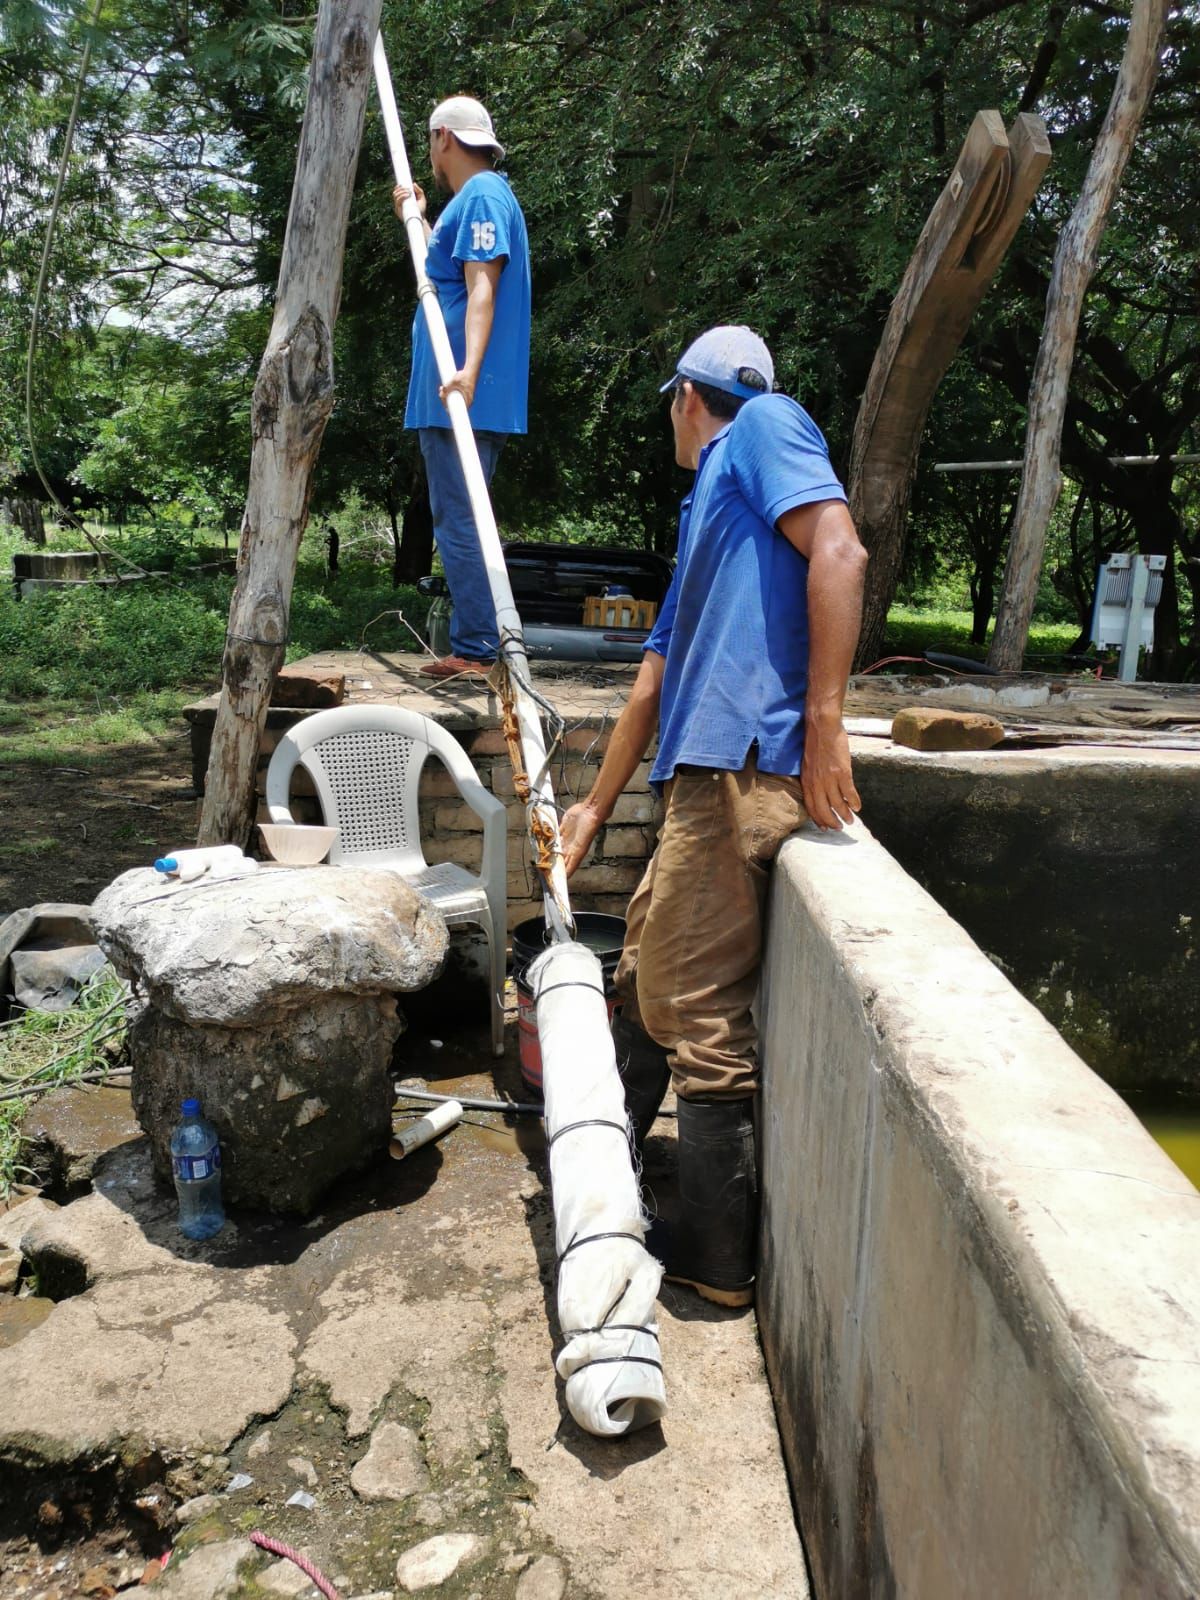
(218, 860)
(196, 1166)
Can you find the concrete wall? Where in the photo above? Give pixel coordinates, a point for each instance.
(978, 1298)
(1079, 870)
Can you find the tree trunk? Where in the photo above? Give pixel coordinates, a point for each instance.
(960, 249)
(395, 526)
(415, 555)
(983, 596)
(292, 401)
(1074, 263)
(26, 515)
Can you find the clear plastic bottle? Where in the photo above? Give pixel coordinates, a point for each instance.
(196, 1167)
(217, 860)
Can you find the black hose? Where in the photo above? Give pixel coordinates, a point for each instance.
(938, 658)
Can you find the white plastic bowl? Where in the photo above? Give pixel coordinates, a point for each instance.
(294, 844)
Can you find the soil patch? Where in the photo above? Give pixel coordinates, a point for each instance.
(72, 828)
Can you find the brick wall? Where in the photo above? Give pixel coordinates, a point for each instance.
(450, 831)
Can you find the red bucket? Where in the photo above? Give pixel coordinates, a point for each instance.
(603, 935)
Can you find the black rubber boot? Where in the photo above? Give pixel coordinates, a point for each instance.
(644, 1072)
(713, 1244)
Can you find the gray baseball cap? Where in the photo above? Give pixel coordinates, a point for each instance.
(731, 358)
(467, 120)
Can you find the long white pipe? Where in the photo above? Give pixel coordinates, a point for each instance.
(607, 1281)
(508, 621)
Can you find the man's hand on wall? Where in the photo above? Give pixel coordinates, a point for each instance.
(826, 779)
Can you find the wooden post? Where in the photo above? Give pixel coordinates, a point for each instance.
(1074, 263)
(960, 249)
(292, 401)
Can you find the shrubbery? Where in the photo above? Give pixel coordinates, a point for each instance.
(163, 634)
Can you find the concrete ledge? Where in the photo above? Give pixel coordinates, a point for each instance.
(979, 1300)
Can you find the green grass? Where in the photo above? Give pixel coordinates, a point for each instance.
(118, 655)
(912, 629)
(41, 1050)
(84, 732)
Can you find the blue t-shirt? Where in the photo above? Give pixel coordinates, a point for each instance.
(734, 625)
(482, 222)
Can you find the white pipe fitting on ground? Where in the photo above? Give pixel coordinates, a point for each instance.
(426, 1128)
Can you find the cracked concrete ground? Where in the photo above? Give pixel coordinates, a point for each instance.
(182, 1395)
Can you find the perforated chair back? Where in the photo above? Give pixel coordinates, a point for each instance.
(367, 780)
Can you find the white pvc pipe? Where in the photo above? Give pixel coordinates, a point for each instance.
(607, 1280)
(428, 1127)
(508, 620)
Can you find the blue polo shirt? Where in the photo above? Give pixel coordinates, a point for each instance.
(482, 222)
(734, 625)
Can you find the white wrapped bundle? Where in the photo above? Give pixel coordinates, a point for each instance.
(607, 1282)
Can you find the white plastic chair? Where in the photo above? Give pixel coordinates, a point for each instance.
(365, 763)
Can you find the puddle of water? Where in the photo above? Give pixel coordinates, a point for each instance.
(1174, 1124)
(511, 1136)
(20, 1315)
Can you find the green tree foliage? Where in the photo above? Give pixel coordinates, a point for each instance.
(678, 165)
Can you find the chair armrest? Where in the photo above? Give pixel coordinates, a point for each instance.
(484, 804)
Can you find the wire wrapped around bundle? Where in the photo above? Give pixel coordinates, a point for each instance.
(607, 1281)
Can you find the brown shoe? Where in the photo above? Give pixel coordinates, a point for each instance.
(456, 667)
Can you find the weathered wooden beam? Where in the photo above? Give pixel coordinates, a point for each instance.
(961, 246)
(293, 398)
(1074, 263)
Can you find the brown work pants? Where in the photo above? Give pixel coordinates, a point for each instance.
(689, 970)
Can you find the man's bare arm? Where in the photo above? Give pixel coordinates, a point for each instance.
(825, 535)
(630, 740)
(483, 280)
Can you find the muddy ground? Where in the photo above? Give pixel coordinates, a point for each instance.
(69, 830)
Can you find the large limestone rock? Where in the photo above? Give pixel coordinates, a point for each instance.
(270, 997)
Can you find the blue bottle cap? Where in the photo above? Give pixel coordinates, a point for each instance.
(166, 864)
(191, 1108)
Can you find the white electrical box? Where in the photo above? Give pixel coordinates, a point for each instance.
(1115, 588)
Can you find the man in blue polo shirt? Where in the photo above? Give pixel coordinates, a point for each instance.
(744, 678)
(478, 262)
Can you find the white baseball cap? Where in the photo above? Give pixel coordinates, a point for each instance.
(731, 358)
(467, 120)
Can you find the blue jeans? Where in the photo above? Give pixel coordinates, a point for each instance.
(473, 620)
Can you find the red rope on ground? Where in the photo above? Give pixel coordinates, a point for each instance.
(278, 1548)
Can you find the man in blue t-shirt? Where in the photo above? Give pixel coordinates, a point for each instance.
(744, 678)
(478, 262)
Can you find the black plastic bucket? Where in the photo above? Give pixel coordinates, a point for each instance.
(603, 935)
